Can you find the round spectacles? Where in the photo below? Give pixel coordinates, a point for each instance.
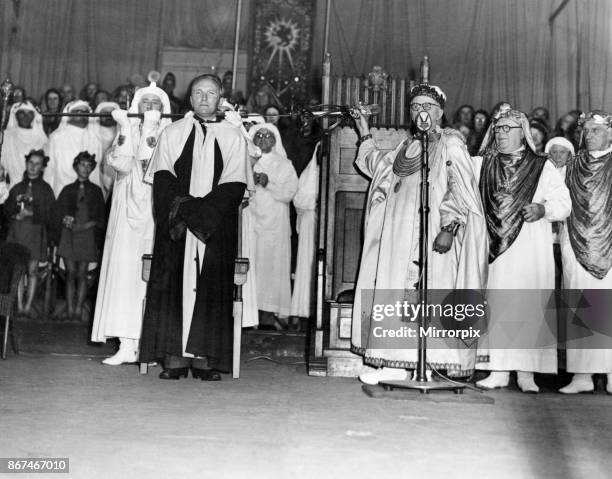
(264, 135)
(424, 106)
(504, 128)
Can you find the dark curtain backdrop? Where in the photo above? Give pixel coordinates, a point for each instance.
(46, 43)
(481, 51)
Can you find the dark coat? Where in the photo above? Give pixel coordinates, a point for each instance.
(43, 206)
(67, 205)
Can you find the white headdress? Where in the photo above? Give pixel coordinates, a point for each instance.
(278, 148)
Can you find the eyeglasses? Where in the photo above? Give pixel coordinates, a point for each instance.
(424, 106)
(504, 128)
(264, 135)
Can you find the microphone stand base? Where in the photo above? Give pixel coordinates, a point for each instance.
(470, 397)
(425, 387)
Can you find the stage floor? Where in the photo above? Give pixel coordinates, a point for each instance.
(277, 422)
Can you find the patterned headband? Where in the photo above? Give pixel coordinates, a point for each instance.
(599, 117)
(505, 111)
(431, 91)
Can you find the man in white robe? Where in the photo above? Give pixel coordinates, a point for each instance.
(129, 234)
(276, 183)
(586, 242)
(456, 248)
(104, 131)
(72, 137)
(522, 194)
(559, 150)
(24, 133)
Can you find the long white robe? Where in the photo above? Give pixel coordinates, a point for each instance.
(273, 233)
(582, 360)
(234, 152)
(305, 202)
(64, 145)
(20, 141)
(391, 242)
(528, 264)
(129, 235)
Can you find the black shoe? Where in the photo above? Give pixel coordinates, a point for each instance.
(173, 373)
(205, 374)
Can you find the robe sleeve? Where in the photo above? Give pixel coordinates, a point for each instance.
(61, 207)
(204, 215)
(369, 158)
(165, 189)
(162, 158)
(121, 155)
(462, 195)
(283, 182)
(556, 197)
(235, 159)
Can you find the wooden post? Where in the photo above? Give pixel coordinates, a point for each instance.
(236, 42)
(393, 116)
(402, 102)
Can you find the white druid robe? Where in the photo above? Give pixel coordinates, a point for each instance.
(528, 264)
(581, 360)
(273, 233)
(18, 142)
(129, 235)
(391, 242)
(64, 145)
(305, 202)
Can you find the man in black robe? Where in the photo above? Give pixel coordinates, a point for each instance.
(198, 173)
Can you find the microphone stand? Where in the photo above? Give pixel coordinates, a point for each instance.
(421, 375)
(421, 383)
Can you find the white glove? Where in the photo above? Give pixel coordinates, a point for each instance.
(254, 151)
(234, 118)
(151, 118)
(120, 116)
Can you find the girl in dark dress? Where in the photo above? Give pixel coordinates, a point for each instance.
(31, 208)
(82, 212)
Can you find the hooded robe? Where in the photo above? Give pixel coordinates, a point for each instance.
(18, 142)
(64, 145)
(130, 231)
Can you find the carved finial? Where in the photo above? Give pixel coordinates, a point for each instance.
(377, 79)
(425, 70)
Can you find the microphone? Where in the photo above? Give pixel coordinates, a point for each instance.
(423, 121)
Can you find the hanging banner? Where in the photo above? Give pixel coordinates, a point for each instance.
(281, 52)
